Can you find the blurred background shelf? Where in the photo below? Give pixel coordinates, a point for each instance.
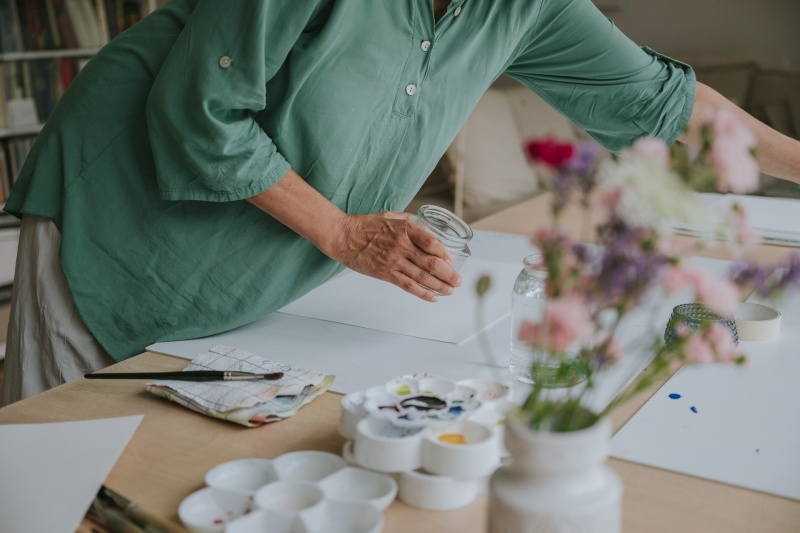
(48, 54)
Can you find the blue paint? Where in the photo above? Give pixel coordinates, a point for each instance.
(456, 409)
(674, 396)
(693, 408)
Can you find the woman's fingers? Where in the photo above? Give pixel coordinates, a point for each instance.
(437, 267)
(412, 286)
(425, 278)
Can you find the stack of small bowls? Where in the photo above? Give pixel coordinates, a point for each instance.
(441, 452)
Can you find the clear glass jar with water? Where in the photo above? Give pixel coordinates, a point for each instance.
(528, 305)
(450, 230)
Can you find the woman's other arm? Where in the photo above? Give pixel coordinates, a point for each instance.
(779, 155)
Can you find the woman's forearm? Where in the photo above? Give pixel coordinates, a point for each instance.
(779, 155)
(299, 206)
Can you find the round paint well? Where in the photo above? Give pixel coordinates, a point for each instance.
(289, 497)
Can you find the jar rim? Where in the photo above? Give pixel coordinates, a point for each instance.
(445, 224)
(533, 264)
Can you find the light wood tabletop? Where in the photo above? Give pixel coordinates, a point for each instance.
(173, 448)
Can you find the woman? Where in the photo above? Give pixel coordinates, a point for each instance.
(325, 116)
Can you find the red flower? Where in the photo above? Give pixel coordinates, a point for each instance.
(550, 152)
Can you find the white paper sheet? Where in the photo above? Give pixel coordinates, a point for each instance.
(50, 473)
(774, 219)
(370, 303)
(745, 430)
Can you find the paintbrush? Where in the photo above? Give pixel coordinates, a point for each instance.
(149, 522)
(105, 513)
(189, 375)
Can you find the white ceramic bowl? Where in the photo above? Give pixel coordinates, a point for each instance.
(245, 476)
(208, 510)
(261, 521)
(352, 413)
(306, 465)
(289, 497)
(347, 517)
(479, 457)
(436, 493)
(349, 453)
(384, 447)
(357, 484)
(435, 387)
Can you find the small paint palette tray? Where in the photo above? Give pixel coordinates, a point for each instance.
(442, 439)
(298, 492)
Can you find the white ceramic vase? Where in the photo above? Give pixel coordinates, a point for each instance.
(555, 482)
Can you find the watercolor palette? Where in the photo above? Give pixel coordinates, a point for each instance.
(442, 445)
(298, 492)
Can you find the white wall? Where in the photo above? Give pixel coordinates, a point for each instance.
(767, 28)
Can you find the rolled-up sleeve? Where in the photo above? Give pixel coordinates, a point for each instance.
(206, 144)
(583, 66)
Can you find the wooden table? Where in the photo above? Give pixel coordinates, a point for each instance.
(173, 448)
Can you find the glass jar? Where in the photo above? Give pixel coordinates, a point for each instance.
(451, 231)
(528, 302)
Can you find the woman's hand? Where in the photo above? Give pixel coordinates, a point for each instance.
(389, 247)
(384, 245)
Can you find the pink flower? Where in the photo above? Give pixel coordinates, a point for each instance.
(722, 341)
(737, 170)
(530, 333)
(675, 279)
(719, 295)
(730, 154)
(713, 345)
(699, 350)
(614, 352)
(568, 321)
(726, 126)
(650, 148)
(682, 330)
(611, 197)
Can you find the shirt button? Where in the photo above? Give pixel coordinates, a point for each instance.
(457, 11)
(224, 61)
(411, 89)
(425, 45)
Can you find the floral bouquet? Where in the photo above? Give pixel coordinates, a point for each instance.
(591, 288)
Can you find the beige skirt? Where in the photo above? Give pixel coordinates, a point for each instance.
(48, 344)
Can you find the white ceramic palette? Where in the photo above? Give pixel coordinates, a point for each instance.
(443, 439)
(299, 492)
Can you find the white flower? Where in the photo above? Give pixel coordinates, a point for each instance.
(651, 194)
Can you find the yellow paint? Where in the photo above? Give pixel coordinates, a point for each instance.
(453, 438)
(405, 390)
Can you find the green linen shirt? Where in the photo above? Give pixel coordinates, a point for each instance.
(147, 159)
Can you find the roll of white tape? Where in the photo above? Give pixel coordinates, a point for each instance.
(756, 322)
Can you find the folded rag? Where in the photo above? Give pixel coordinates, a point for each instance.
(249, 403)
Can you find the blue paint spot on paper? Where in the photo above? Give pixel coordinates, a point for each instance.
(693, 408)
(674, 396)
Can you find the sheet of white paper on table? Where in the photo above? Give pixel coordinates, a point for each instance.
(50, 473)
(745, 430)
(774, 219)
(370, 303)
